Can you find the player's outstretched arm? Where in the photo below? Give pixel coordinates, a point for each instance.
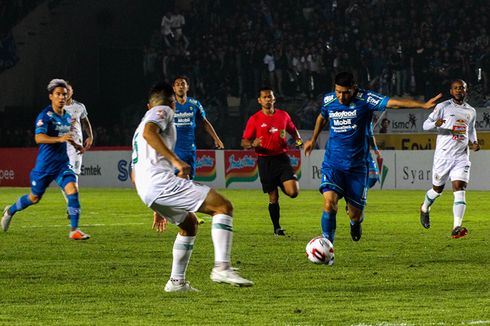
(218, 144)
(413, 104)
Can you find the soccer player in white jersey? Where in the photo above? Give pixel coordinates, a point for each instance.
(455, 123)
(79, 114)
(175, 196)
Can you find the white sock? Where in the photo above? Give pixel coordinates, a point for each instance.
(222, 235)
(459, 207)
(64, 195)
(182, 254)
(429, 199)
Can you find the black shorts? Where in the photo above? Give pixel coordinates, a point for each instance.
(274, 170)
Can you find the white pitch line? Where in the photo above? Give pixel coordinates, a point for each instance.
(83, 225)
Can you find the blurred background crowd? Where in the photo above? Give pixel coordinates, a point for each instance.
(230, 48)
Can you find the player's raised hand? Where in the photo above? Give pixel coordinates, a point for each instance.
(159, 222)
(475, 146)
(440, 122)
(66, 138)
(308, 146)
(218, 144)
(432, 102)
(87, 143)
(257, 142)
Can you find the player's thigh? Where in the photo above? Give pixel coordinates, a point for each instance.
(440, 171)
(173, 215)
(460, 171)
(40, 182)
(67, 180)
(267, 179)
(75, 159)
(356, 189)
(181, 194)
(332, 180)
(216, 203)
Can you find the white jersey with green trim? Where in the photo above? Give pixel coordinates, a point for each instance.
(457, 130)
(77, 111)
(151, 170)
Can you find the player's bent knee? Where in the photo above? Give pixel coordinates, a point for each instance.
(188, 228)
(34, 199)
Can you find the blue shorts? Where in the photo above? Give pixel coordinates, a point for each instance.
(190, 158)
(351, 185)
(41, 181)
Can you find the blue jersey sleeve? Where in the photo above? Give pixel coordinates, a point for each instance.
(42, 122)
(327, 100)
(375, 101)
(200, 113)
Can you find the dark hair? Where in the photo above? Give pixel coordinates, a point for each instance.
(181, 77)
(263, 89)
(161, 93)
(345, 79)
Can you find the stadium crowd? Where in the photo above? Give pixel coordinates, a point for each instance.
(231, 48)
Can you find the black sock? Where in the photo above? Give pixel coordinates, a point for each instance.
(274, 213)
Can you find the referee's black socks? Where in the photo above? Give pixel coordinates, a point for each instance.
(274, 213)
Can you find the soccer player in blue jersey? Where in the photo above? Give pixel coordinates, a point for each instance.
(189, 112)
(53, 127)
(345, 165)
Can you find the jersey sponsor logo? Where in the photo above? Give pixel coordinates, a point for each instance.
(327, 99)
(373, 101)
(39, 123)
(273, 130)
(342, 114)
(342, 120)
(183, 119)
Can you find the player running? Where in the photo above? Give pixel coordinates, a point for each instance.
(345, 165)
(53, 126)
(266, 133)
(454, 120)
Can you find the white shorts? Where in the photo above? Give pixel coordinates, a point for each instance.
(453, 169)
(75, 159)
(186, 196)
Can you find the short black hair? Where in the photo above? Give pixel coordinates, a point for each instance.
(161, 94)
(345, 79)
(263, 89)
(181, 77)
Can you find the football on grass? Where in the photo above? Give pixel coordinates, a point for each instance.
(320, 250)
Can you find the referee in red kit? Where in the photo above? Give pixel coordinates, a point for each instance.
(266, 133)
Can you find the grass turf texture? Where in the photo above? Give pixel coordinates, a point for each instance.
(398, 274)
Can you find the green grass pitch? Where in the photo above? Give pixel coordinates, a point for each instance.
(398, 274)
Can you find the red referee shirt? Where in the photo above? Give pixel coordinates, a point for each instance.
(272, 129)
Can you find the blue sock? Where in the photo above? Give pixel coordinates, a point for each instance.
(73, 209)
(21, 203)
(329, 225)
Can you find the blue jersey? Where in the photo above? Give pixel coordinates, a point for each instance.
(185, 119)
(52, 158)
(347, 147)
